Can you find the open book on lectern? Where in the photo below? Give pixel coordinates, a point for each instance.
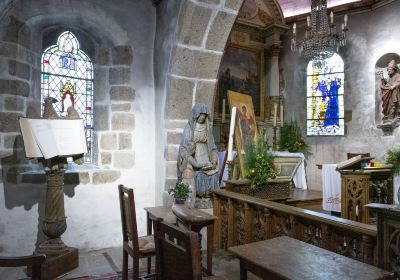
(50, 138)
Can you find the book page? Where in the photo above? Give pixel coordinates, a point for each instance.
(50, 138)
(31, 147)
(44, 137)
(69, 136)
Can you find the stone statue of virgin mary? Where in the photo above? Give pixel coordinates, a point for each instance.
(198, 155)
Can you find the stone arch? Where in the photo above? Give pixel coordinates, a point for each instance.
(380, 72)
(202, 33)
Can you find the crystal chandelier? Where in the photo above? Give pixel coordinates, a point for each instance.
(322, 39)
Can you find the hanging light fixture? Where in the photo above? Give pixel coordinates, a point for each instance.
(321, 40)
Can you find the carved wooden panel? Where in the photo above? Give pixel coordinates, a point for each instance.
(254, 219)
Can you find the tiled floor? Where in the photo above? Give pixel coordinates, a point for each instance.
(106, 261)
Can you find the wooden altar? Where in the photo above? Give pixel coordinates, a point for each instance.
(361, 186)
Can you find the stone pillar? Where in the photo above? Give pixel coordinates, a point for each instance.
(274, 70)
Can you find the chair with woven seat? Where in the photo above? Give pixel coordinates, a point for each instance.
(134, 246)
(177, 253)
(35, 261)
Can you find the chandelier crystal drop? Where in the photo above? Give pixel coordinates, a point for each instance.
(322, 39)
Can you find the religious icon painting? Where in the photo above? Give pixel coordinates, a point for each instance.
(241, 70)
(246, 125)
(325, 90)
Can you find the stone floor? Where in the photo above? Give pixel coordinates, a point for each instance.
(107, 261)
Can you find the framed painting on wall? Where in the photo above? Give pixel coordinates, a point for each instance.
(246, 125)
(242, 70)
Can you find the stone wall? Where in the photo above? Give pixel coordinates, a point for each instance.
(371, 35)
(122, 39)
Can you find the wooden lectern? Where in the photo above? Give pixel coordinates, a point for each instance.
(51, 142)
(364, 185)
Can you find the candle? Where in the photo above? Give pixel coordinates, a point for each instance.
(345, 20)
(281, 115)
(231, 131)
(331, 17)
(356, 210)
(294, 28)
(275, 113)
(308, 21)
(223, 111)
(343, 26)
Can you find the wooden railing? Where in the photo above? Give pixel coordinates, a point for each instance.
(243, 219)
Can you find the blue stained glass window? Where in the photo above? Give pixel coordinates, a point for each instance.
(67, 75)
(325, 110)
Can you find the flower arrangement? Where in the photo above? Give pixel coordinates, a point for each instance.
(393, 158)
(291, 139)
(258, 163)
(181, 191)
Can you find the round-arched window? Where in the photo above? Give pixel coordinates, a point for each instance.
(325, 110)
(67, 75)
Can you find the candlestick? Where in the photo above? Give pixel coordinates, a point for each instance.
(308, 21)
(281, 114)
(231, 132)
(275, 113)
(331, 18)
(223, 111)
(294, 28)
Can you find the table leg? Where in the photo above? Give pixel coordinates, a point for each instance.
(243, 271)
(210, 247)
(149, 232)
(149, 225)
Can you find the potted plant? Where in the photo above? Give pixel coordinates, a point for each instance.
(393, 158)
(180, 192)
(258, 164)
(291, 140)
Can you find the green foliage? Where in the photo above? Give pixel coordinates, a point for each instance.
(258, 163)
(393, 157)
(180, 191)
(291, 139)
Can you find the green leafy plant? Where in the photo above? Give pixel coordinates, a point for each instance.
(393, 158)
(180, 191)
(258, 163)
(291, 139)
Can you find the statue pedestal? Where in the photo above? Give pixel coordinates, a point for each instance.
(388, 126)
(59, 257)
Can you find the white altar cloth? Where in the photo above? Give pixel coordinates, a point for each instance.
(331, 188)
(299, 178)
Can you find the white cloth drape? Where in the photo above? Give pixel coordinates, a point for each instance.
(331, 188)
(299, 178)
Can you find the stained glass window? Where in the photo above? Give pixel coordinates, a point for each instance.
(325, 111)
(67, 75)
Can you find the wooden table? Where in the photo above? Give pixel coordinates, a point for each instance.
(192, 218)
(287, 258)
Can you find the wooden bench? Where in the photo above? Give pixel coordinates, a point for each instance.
(287, 258)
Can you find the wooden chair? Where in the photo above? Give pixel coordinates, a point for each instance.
(35, 261)
(136, 247)
(177, 253)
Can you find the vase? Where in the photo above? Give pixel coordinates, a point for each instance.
(180, 201)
